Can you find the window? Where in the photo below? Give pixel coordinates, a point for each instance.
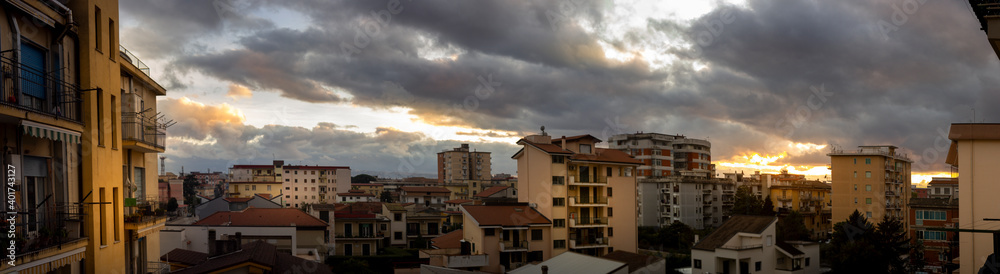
(807, 261)
(611, 232)
(584, 148)
(489, 232)
(868, 214)
(931, 215)
(100, 115)
(855, 174)
(697, 263)
(558, 180)
(111, 40)
(397, 235)
(609, 212)
(287, 188)
(98, 36)
(657, 162)
(855, 186)
(246, 187)
(312, 180)
(868, 174)
(536, 234)
(114, 203)
(397, 216)
(558, 201)
(855, 161)
(868, 201)
(384, 227)
(756, 266)
(628, 172)
(268, 187)
(559, 223)
(559, 244)
(254, 187)
(868, 161)
(868, 187)
(104, 216)
(931, 235)
(114, 122)
(557, 159)
(609, 192)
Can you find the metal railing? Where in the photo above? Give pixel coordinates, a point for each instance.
(131, 58)
(513, 245)
(44, 226)
(44, 92)
(741, 247)
(146, 130)
(590, 200)
(591, 220)
(589, 242)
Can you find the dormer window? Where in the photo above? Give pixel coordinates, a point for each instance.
(584, 148)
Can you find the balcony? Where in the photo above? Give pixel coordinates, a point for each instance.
(741, 247)
(512, 246)
(360, 235)
(588, 242)
(588, 201)
(600, 181)
(47, 232)
(41, 92)
(589, 222)
(143, 133)
(890, 194)
(132, 59)
(144, 223)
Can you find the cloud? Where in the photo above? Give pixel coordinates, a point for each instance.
(753, 77)
(238, 91)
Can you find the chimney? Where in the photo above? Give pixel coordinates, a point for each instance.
(564, 142)
(239, 241)
(211, 243)
(545, 269)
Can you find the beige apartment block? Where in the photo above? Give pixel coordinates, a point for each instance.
(974, 150)
(874, 180)
(589, 193)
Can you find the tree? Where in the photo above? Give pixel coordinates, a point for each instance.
(792, 227)
(362, 179)
(677, 236)
(916, 263)
(746, 203)
(190, 185)
(172, 204)
(354, 265)
(860, 247)
(385, 197)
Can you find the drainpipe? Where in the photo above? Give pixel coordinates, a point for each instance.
(69, 12)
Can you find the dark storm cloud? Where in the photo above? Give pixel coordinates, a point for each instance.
(826, 72)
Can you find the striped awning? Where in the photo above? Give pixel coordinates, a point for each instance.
(52, 263)
(50, 132)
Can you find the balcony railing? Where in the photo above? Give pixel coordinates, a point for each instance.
(589, 221)
(157, 267)
(146, 130)
(128, 56)
(44, 226)
(574, 180)
(45, 92)
(513, 246)
(741, 247)
(360, 235)
(581, 242)
(588, 200)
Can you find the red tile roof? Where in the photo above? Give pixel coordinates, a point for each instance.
(549, 148)
(264, 195)
(366, 184)
(607, 156)
(259, 253)
(490, 191)
(262, 217)
(184, 256)
(451, 240)
(356, 194)
(360, 207)
(317, 167)
(505, 215)
(943, 180)
(458, 201)
(424, 189)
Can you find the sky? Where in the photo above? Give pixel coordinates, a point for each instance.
(382, 86)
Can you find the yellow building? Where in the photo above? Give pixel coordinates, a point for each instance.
(370, 188)
(589, 193)
(463, 171)
(811, 199)
(66, 116)
(510, 236)
(874, 180)
(269, 190)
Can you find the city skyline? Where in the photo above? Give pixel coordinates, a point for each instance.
(822, 74)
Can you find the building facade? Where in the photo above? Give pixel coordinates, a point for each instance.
(589, 193)
(695, 201)
(940, 247)
(874, 180)
(666, 155)
(811, 199)
(974, 149)
(943, 187)
(510, 235)
(463, 171)
(748, 244)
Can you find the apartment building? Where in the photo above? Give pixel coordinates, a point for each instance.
(943, 187)
(811, 199)
(294, 185)
(666, 155)
(695, 201)
(940, 247)
(974, 149)
(397, 227)
(356, 196)
(425, 196)
(589, 193)
(371, 188)
(747, 244)
(464, 171)
(874, 180)
(291, 230)
(360, 229)
(67, 120)
(423, 224)
(510, 235)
